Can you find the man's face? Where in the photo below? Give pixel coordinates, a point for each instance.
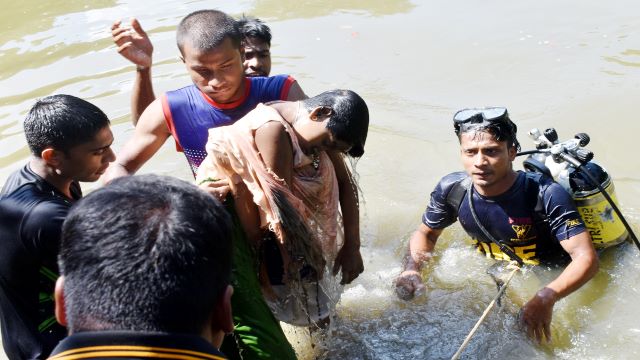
(88, 161)
(486, 160)
(217, 73)
(257, 57)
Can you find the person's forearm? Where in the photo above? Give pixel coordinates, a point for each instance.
(247, 212)
(348, 195)
(350, 213)
(419, 251)
(142, 93)
(581, 269)
(115, 170)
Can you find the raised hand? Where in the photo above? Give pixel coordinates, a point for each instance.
(133, 43)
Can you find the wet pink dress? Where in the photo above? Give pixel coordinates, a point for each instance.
(312, 198)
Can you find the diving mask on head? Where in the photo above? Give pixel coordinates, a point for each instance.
(481, 115)
(496, 119)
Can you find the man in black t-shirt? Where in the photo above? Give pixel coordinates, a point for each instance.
(529, 217)
(145, 272)
(70, 141)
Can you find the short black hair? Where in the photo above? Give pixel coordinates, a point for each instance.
(504, 130)
(145, 253)
(255, 28)
(350, 119)
(207, 29)
(62, 122)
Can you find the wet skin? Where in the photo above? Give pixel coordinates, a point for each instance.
(88, 161)
(488, 162)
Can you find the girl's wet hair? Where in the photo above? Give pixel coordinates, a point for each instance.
(349, 120)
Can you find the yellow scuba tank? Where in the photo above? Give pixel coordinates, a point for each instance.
(568, 163)
(603, 223)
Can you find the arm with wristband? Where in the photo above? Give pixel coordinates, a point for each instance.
(436, 217)
(134, 45)
(566, 227)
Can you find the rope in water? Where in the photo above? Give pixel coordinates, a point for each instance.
(486, 311)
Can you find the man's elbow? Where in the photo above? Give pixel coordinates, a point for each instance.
(582, 250)
(594, 263)
(589, 258)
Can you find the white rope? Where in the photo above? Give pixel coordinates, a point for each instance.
(486, 311)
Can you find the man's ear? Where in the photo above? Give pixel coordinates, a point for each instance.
(320, 113)
(221, 318)
(58, 294)
(52, 157)
(222, 314)
(512, 153)
(226, 322)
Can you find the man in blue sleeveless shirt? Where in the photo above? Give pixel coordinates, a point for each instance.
(70, 141)
(504, 202)
(210, 45)
(134, 45)
(209, 42)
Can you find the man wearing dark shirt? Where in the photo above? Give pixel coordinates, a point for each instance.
(145, 266)
(70, 141)
(530, 217)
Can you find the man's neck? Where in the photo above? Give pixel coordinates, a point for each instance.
(49, 174)
(499, 187)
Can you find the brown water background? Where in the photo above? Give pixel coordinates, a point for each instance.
(573, 65)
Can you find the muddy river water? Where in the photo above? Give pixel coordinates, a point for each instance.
(573, 65)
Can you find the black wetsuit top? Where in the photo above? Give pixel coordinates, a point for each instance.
(31, 216)
(511, 217)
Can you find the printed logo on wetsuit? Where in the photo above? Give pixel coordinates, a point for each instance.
(572, 223)
(522, 229)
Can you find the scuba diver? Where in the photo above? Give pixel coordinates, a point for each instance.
(511, 215)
